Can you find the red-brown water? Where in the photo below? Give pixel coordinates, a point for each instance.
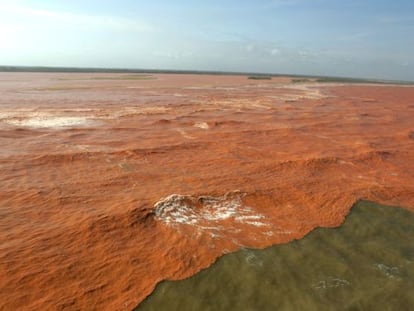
(110, 183)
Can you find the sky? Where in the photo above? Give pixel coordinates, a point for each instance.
(353, 38)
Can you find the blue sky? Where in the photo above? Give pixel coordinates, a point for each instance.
(357, 38)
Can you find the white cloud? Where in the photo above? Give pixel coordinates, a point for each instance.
(32, 36)
(9, 30)
(79, 20)
(275, 51)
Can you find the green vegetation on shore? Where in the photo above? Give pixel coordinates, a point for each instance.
(259, 77)
(301, 80)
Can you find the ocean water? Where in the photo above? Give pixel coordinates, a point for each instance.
(366, 264)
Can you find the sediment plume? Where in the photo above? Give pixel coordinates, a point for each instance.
(109, 186)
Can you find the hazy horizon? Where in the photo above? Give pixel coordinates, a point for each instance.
(362, 39)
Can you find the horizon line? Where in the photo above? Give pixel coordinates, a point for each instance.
(74, 69)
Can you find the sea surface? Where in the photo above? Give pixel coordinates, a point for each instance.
(365, 264)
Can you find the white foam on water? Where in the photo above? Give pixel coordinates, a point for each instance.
(253, 260)
(388, 271)
(202, 125)
(208, 213)
(48, 121)
(44, 119)
(331, 282)
(251, 220)
(256, 223)
(70, 117)
(184, 134)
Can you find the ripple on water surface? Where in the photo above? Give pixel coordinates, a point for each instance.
(366, 264)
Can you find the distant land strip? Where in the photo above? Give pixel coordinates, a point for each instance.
(256, 75)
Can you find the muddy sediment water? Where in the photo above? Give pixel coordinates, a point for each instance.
(365, 264)
(110, 185)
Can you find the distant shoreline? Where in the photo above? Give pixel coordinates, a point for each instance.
(46, 69)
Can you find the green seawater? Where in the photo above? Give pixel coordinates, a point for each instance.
(366, 264)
